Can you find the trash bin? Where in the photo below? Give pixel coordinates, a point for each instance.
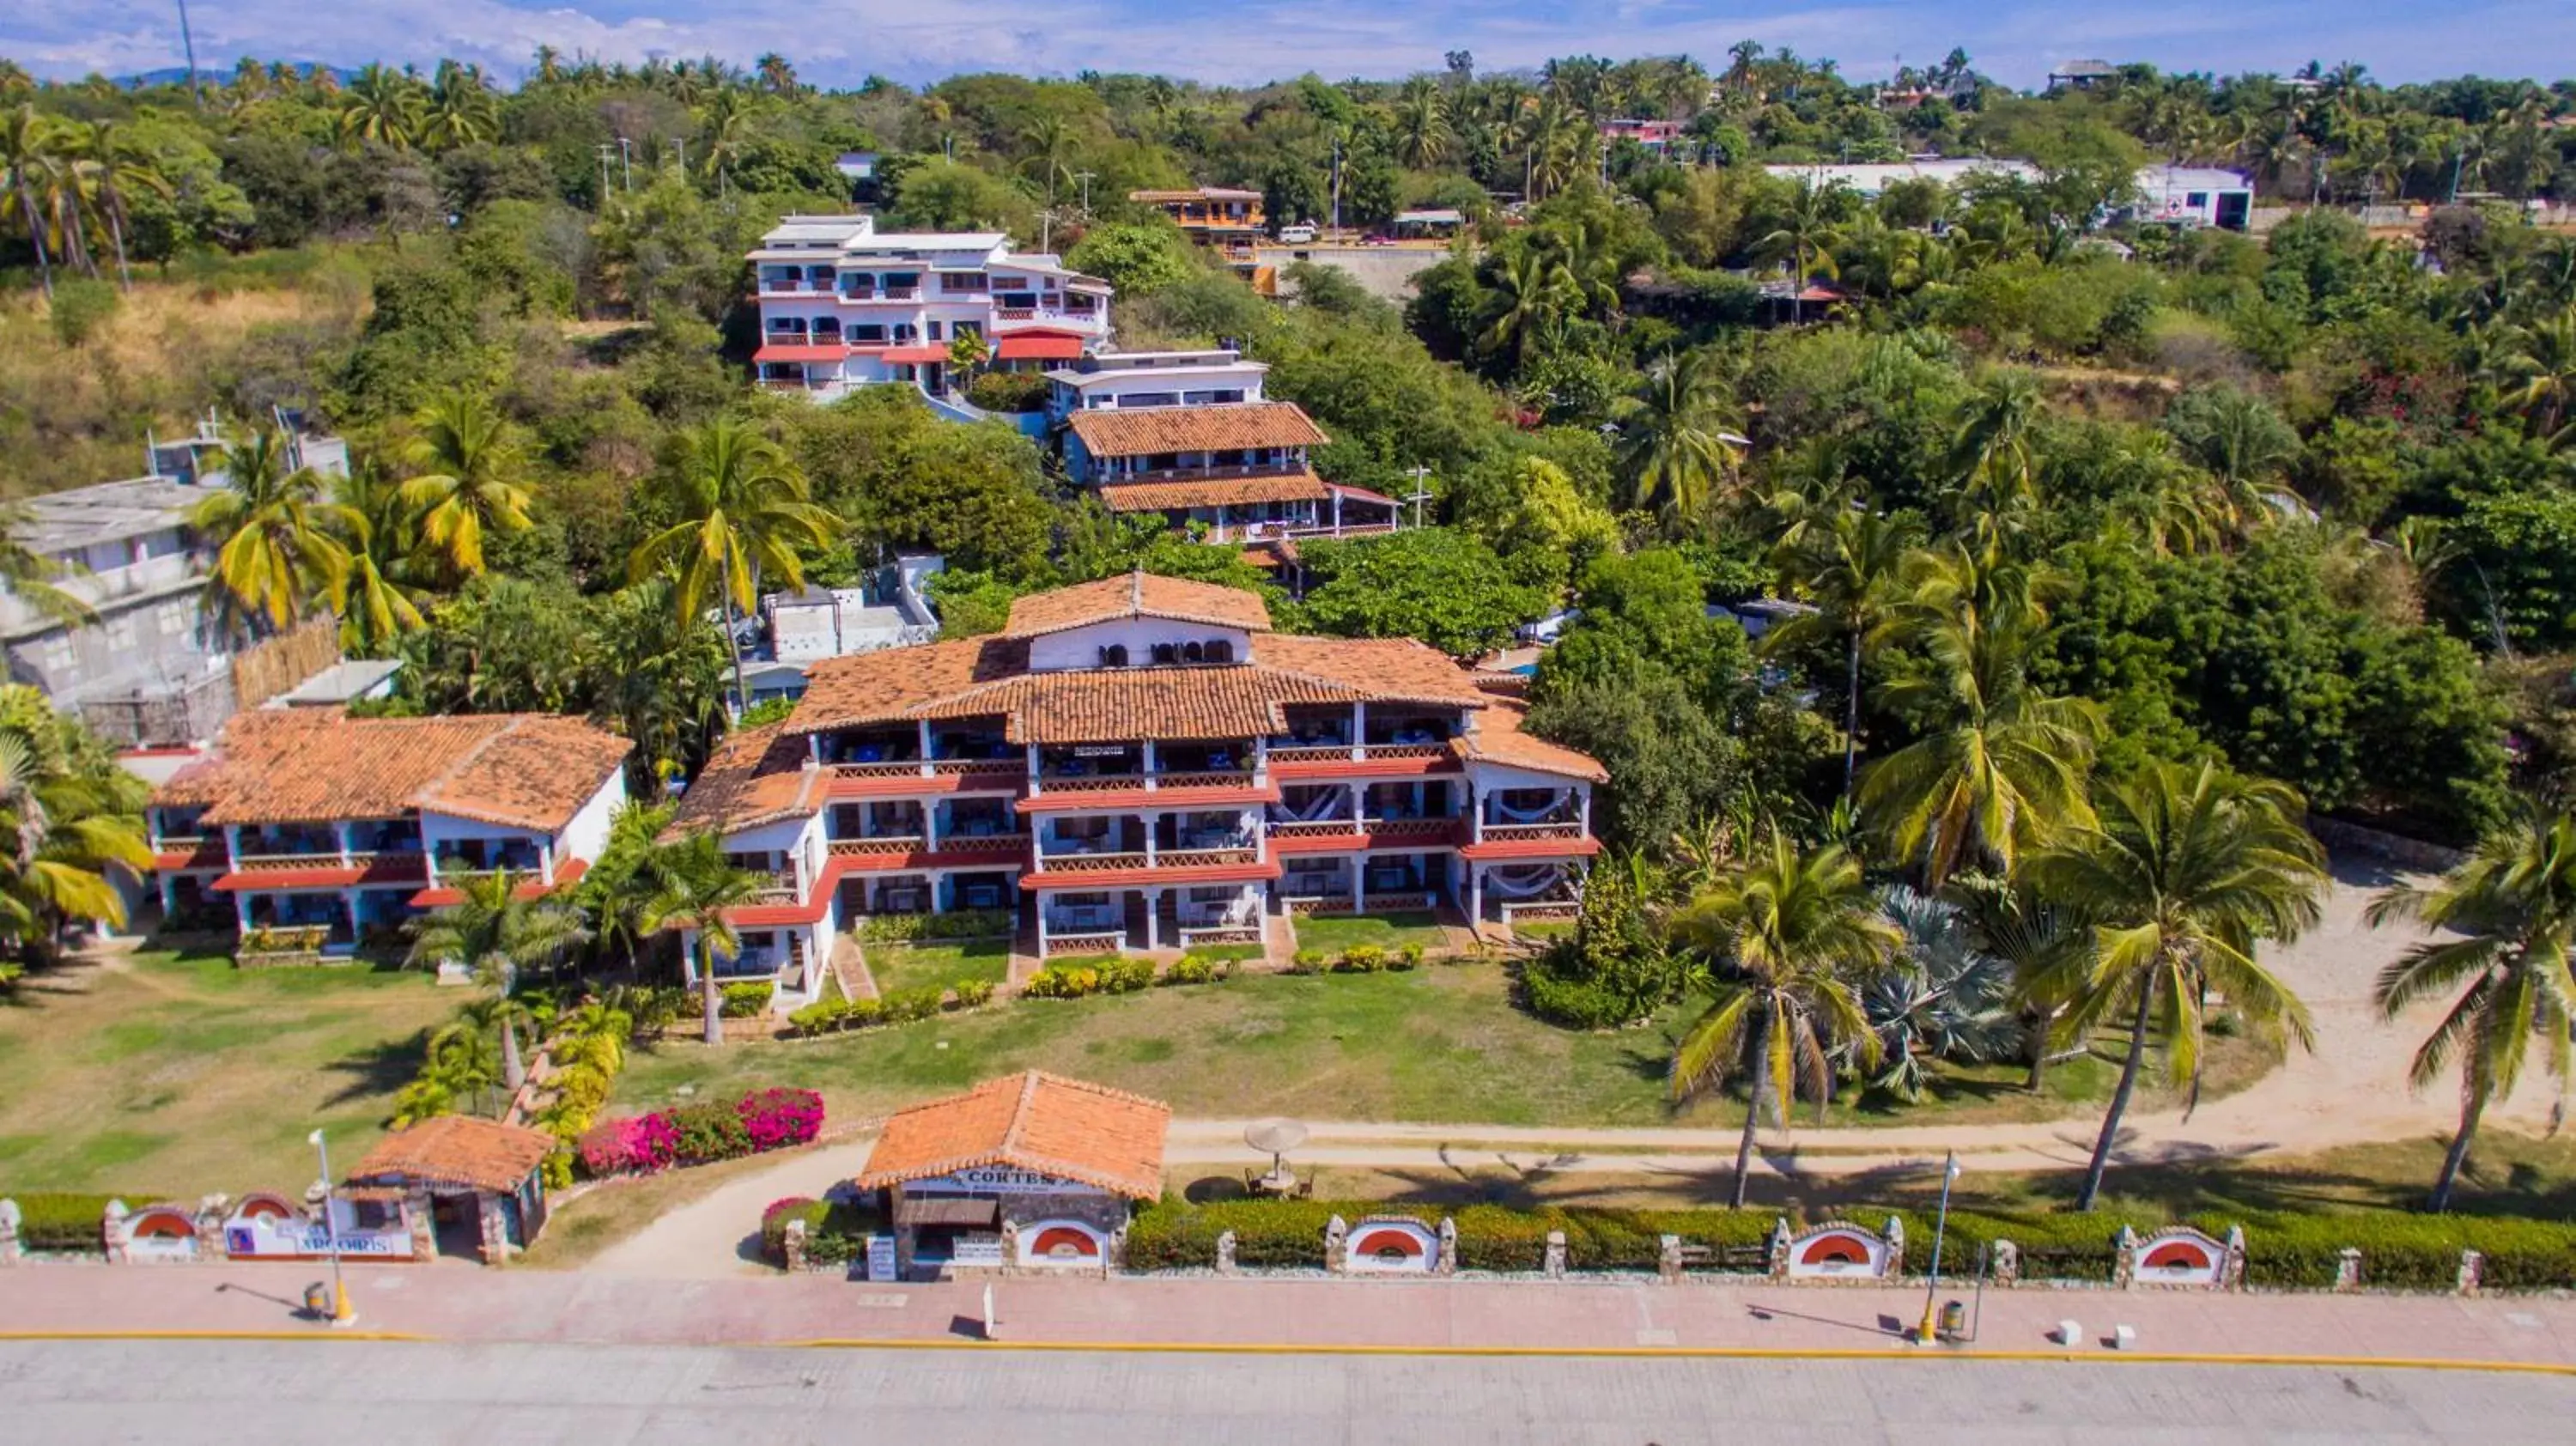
(1954, 1319)
(317, 1300)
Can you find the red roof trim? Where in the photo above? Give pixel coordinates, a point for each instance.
(798, 352)
(924, 352)
(1151, 878)
(1138, 798)
(1531, 848)
(1021, 346)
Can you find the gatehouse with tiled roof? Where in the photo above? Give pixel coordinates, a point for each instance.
(1142, 763)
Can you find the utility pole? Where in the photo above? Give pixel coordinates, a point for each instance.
(603, 174)
(683, 144)
(1085, 178)
(1418, 495)
(626, 161)
(1337, 181)
(188, 44)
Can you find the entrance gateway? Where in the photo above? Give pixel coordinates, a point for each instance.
(1029, 1172)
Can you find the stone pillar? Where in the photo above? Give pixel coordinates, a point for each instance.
(2473, 1269)
(1114, 1258)
(1895, 1250)
(418, 1213)
(2007, 1264)
(2124, 1260)
(1448, 1262)
(1336, 1245)
(2348, 1269)
(112, 1232)
(792, 1246)
(11, 1252)
(1668, 1259)
(495, 1231)
(1225, 1253)
(1555, 1262)
(210, 1227)
(1153, 912)
(2231, 1271)
(1778, 1264)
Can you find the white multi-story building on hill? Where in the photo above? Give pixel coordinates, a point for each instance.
(844, 305)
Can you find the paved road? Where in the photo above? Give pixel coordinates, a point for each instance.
(280, 1394)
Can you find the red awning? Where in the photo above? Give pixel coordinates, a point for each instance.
(1039, 348)
(1360, 494)
(798, 352)
(926, 352)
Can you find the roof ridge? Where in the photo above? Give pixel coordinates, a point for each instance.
(1020, 1112)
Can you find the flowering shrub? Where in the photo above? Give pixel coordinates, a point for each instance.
(764, 1120)
(778, 1118)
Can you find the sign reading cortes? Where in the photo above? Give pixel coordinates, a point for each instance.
(999, 1180)
(276, 1239)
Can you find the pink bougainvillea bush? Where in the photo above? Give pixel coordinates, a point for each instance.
(772, 1119)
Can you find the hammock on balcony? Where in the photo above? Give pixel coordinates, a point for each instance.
(1523, 881)
(1526, 815)
(1317, 811)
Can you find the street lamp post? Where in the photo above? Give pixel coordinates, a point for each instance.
(341, 1315)
(1949, 1177)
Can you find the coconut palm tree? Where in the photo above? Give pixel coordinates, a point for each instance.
(698, 886)
(70, 817)
(275, 553)
(1990, 450)
(30, 577)
(2185, 869)
(743, 513)
(1999, 766)
(1805, 238)
(1790, 939)
(460, 109)
(2542, 372)
(777, 76)
(1674, 441)
(2510, 910)
(380, 106)
(501, 936)
(379, 532)
(473, 482)
(114, 171)
(1423, 135)
(1532, 290)
(30, 156)
(1848, 568)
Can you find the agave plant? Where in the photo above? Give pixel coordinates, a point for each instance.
(1944, 998)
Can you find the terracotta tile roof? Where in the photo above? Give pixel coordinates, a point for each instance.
(456, 1150)
(1148, 431)
(1233, 701)
(520, 770)
(1498, 739)
(1386, 669)
(1300, 485)
(1038, 1122)
(757, 776)
(878, 687)
(537, 773)
(1137, 595)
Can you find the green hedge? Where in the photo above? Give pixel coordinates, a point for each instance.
(63, 1220)
(2283, 1251)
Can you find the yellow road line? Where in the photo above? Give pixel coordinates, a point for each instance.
(213, 1335)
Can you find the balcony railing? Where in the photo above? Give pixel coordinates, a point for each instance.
(1412, 828)
(1343, 752)
(775, 888)
(1310, 753)
(1091, 782)
(931, 768)
(1202, 778)
(276, 863)
(1406, 750)
(1521, 832)
(1205, 858)
(884, 293)
(881, 844)
(1315, 828)
(1070, 863)
(983, 843)
(1211, 472)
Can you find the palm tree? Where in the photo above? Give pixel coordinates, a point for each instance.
(1990, 451)
(743, 514)
(1794, 937)
(29, 156)
(1999, 767)
(69, 818)
(30, 577)
(1049, 141)
(619, 891)
(2511, 912)
(460, 109)
(473, 483)
(114, 171)
(381, 106)
(1532, 291)
(377, 607)
(1804, 239)
(698, 886)
(501, 937)
(1674, 443)
(2543, 369)
(1848, 569)
(2184, 871)
(1423, 134)
(1944, 999)
(274, 550)
(777, 76)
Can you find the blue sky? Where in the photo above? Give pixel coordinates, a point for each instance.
(1244, 40)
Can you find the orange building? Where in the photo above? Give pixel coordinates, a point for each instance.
(1210, 213)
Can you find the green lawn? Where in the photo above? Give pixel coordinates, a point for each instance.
(917, 966)
(1333, 933)
(157, 1073)
(1438, 1044)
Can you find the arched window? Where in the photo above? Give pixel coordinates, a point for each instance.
(1165, 653)
(1114, 656)
(1193, 653)
(1220, 650)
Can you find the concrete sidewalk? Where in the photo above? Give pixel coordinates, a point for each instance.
(462, 1303)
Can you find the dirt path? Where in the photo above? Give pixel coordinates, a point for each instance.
(2351, 1089)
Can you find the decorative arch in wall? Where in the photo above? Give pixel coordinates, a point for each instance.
(2181, 1256)
(1838, 1252)
(1061, 1242)
(1391, 1247)
(261, 1205)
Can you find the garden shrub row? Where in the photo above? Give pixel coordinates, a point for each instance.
(67, 1220)
(923, 928)
(745, 1000)
(2403, 1252)
(903, 1006)
(1357, 959)
(836, 1231)
(763, 1120)
(1114, 974)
